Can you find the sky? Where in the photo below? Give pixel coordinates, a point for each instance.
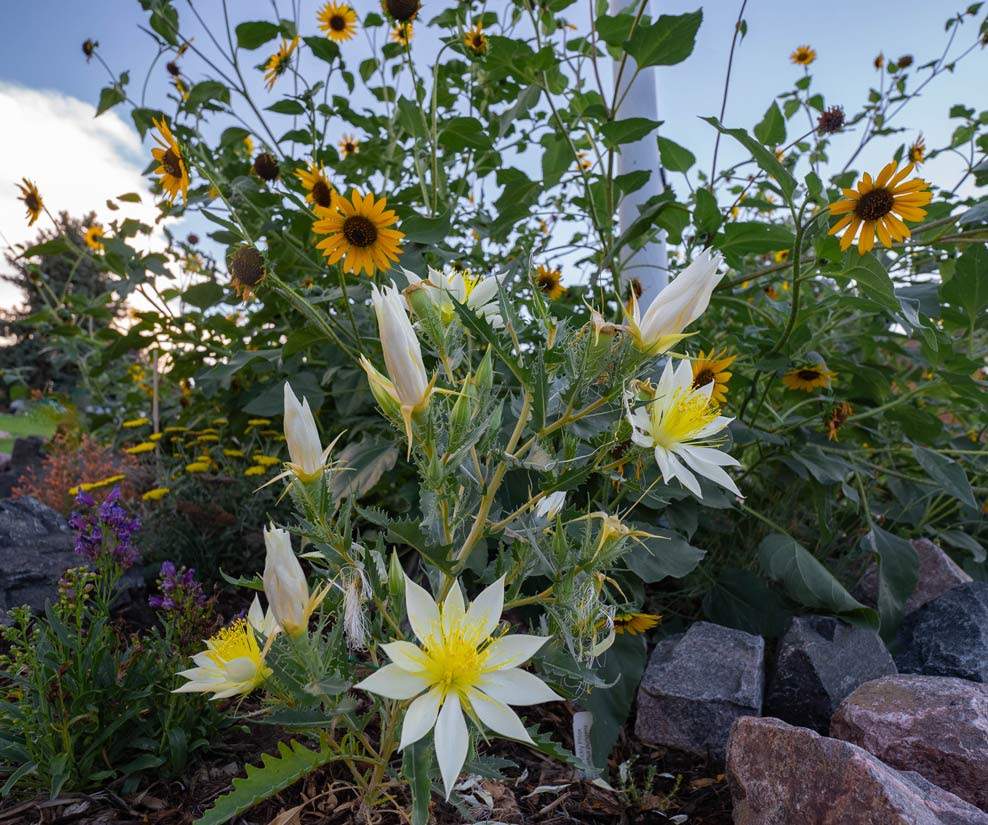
(48, 90)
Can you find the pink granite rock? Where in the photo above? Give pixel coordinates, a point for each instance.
(783, 775)
(938, 573)
(934, 725)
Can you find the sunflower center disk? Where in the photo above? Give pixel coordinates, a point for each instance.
(808, 375)
(172, 163)
(337, 23)
(31, 202)
(322, 194)
(874, 204)
(703, 377)
(359, 231)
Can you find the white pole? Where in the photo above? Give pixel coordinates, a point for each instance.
(649, 266)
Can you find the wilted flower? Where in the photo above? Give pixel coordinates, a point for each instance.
(831, 120)
(549, 507)
(675, 307)
(460, 667)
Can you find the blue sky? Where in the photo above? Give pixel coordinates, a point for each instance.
(42, 52)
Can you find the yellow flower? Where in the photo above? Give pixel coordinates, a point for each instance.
(712, 367)
(475, 39)
(156, 494)
(338, 21)
(317, 187)
(402, 33)
(32, 200)
(635, 623)
(266, 460)
(349, 145)
(258, 422)
(171, 166)
(358, 233)
(172, 429)
(808, 378)
(549, 281)
(256, 470)
(781, 256)
(249, 143)
(208, 438)
(181, 88)
(880, 206)
(917, 152)
(95, 485)
(143, 447)
(803, 56)
(279, 62)
(197, 467)
(233, 453)
(94, 237)
(135, 422)
(156, 437)
(837, 419)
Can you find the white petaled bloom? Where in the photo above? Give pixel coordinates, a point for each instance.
(407, 384)
(233, 662)
(681, 424)
(459, 668)
(479, 294)
(308, 457)
(285, 584)
(675, 307)
(549, 507)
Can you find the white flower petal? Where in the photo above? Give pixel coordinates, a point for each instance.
(454, 606)
(498, 717)
(711, 456)
(406, 656)
(709, 470)
(515, 686)
(452, 741)
(485, 610)
(420, 717)
(423, 614)
(686, 478)
(511, 651)
(392, 682)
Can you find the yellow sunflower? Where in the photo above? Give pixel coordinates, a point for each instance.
(249, 143)
(32, 200)
(317, 186)
(635, 623)
(338, 21)
(172, 168)
(803, 56)
(181, 88)
(549, 281)
(403, 11)
(94, 237)
(349, 145)
(475, 39)
(402, 33)
(917, 152)
(881, 206)
(279, 62)
(781, 256)
(712, 367)
(358, 232)
(808, 378)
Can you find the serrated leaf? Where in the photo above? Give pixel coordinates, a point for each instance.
(294, 761)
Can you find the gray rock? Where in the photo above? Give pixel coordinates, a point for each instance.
(697, 685)
(784, 775)
(819, 662)
(35, 549)
(948, 636)
(938, 573)
(935, 725)
(25, 453)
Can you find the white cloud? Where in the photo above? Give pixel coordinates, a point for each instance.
(77, 160)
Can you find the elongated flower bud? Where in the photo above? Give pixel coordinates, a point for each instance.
(407, 382)
(284, 583)
(676, 307)
(304, 446)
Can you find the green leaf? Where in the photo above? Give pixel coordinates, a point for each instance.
(556, 159)
(461, 133)
(772, 130)
(254, 34)
(164, 20)
(675, 158)
(706, 213)
(416, 763)
(653, 559)
(56, 246)
(425, 230)
(205, 91)
(621, 667)
(412, 118)
(109, 97)
(287, 107)
(482, 329)
(745, 237)
(614, 30)
(360, 466)
(628, 130)
(323, 48)
(204, 295)
(968, 289)
(667, 41)
(294, 761)
(947, 473)
(741, 600)
(765, 159)
(898, 574)
(808, 582)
